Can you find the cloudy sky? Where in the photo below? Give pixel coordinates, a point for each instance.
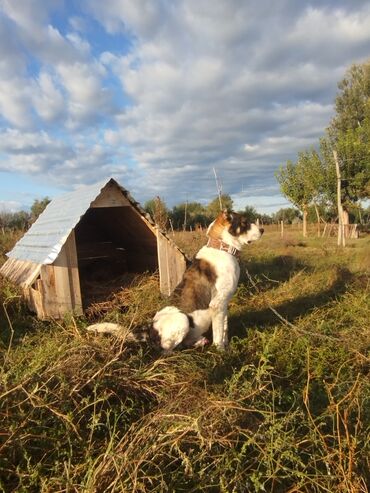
(157, 92)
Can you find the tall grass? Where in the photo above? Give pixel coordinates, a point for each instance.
(284, 409)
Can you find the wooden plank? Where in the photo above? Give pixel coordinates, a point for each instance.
(21, 272)
(164, 275)
(63, 298)
(172, 264)
(60, 284)
(34, 302)
(73, 273)
(110, 196)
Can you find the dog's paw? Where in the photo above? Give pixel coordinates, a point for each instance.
(203, 341)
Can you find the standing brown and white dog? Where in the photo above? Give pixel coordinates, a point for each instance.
(203, 296)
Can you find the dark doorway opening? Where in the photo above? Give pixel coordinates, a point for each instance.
(113, 245)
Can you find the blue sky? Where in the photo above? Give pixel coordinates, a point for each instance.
(157, 93)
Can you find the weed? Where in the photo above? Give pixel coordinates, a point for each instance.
(284, 409)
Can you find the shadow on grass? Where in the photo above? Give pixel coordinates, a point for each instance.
(276, 269)
(291, 309)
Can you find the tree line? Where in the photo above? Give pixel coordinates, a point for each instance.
(183, 216)
(334, 175)
(192, 215)
(22, 219)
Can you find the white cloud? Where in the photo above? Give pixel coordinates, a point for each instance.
(87, 98)
(57, 162)
(15, 101)
(234, 84)
(199, 98)
(31, 152)
(11, 206)
(48, 99)
(141, 17)
(70, 83)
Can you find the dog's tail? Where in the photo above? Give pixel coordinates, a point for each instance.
(140, 334)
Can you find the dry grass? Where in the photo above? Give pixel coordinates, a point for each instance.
(284, 409)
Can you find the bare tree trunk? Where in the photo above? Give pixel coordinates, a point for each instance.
(173, 233)
(346, 223)
(305, 221)
(318, 219)
(341, 236)
(282, 229)
(219, 189)
(185, 215)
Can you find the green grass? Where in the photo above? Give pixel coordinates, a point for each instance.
(284, 409)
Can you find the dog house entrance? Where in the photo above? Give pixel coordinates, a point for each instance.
(113, 245)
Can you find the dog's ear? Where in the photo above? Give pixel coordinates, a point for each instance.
(227, 215)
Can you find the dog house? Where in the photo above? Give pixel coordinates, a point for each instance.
(96, 236)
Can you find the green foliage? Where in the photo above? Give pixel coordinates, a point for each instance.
(286, 214)
(312, 179)
(198, 214)
(292, 184)
(195, 214)
(352, 101)
(354, 151)
(38, 207)
(349, 132)
(158, 210)
(302, 182)
(213, 208)
(14, 220)
(250, 213)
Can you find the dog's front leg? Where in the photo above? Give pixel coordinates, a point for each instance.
(225, 288)
(219, 325)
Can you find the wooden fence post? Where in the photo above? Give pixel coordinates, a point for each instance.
(341, 234)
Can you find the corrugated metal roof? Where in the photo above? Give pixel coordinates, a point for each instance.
(46, 237)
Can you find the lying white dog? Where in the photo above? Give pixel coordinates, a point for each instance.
(203, 295)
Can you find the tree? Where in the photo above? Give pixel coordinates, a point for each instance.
(352, 101)
(312, 179)
(14, 220)
(158, 210)
(250, 213)
(349, 133)
(38, 207)
(195, 214)
(266, 219)
(294, 180)
(213, 208)
(286, 214)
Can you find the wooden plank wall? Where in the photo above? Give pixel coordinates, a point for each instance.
(59, 285)
(172, 265)
(110, 196)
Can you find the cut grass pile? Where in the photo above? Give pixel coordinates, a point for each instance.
(285, 409)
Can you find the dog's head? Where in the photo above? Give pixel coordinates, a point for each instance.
(233, 228)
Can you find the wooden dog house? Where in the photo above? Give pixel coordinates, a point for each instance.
(97, 232)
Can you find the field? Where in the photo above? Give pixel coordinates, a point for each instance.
(284, 409)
